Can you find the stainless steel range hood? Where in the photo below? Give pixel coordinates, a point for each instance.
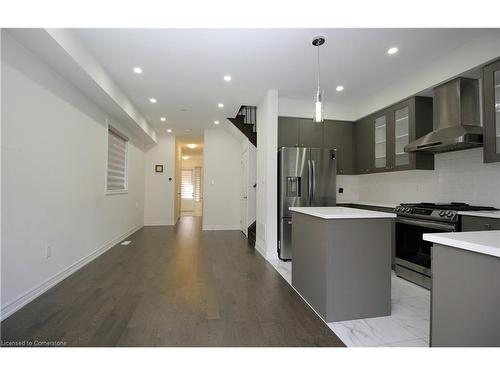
(456, 119)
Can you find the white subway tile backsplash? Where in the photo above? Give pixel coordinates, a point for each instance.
(460, 176)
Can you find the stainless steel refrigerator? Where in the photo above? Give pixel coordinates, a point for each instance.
(306, 178)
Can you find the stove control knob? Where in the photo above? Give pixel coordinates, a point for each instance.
(449, 214)
(442, 213)
(408, 209)
(397, 209)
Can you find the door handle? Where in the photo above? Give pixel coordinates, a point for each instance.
(313, 180)
(309, 182)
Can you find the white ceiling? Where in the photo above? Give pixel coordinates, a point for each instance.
(184, 68)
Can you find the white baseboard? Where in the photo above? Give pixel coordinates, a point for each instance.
(260, 247)
(157, 224)
(221, 227)
(11, 307)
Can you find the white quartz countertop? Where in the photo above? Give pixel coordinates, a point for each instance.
(342, 213)
(492, 214)
(484, 242)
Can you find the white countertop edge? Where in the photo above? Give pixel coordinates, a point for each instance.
(483, 242)
(491, 214)
(375, 204)
(342, 213)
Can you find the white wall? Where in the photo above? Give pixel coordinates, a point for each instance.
(222, 176)
(267, 145)
(159, 192)
(53, 178)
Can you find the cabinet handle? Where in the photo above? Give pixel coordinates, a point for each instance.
(487, 226)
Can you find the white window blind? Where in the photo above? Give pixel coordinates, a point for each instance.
(187, 187)
(197, 184)
(116, 178)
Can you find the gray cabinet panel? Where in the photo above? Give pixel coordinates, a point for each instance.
(288, 132)
(491, 95)
(365, 153)
(465, 298)
(476, 223)
(339, 135)
(310, 133)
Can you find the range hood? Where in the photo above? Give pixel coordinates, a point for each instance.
(456, 119)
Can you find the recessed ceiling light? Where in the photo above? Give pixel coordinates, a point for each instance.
(152, 100)
(392, 50)
(169, 130)
(191, 145)
(137, 70)
(216, 122)
(185, 157)
(227, 78)
(163, 119)
(220, 105)
(339, 88)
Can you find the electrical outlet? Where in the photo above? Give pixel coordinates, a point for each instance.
(48, 251)
(341, 190)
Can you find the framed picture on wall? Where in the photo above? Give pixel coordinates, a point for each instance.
(159, 168)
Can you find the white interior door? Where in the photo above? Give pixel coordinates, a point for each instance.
(244, 193)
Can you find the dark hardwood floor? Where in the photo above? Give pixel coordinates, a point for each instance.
(173, 286)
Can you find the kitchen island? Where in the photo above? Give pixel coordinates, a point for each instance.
(465, 294)
(342, 261)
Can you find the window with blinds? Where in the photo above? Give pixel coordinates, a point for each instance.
(116, 175)
(197, 184)
(187, 188)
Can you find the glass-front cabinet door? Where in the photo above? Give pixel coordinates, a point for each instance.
(491, 94)
(381, 142)
(401, 136)
(497, 111)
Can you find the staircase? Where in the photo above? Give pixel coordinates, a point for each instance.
(246, 121)
(252, 234)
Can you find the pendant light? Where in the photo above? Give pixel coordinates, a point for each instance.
(318, 98)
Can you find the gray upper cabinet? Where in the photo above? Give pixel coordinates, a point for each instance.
(310, 133)
(339, 135)
(288, 132)
(390, 131)
(299, 132)
(364, 145)
(491, 95)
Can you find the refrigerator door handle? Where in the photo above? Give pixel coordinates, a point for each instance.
(309, 182)
(313, 181)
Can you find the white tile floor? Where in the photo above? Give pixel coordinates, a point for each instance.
(408, 324)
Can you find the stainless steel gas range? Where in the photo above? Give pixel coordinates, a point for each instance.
(413, 254)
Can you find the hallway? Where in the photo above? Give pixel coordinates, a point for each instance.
(173, 286)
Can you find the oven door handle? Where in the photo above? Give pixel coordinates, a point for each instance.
(427, 224)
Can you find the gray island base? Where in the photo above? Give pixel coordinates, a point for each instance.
(342, 261)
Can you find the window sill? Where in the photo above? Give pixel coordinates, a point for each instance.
(116, 192)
